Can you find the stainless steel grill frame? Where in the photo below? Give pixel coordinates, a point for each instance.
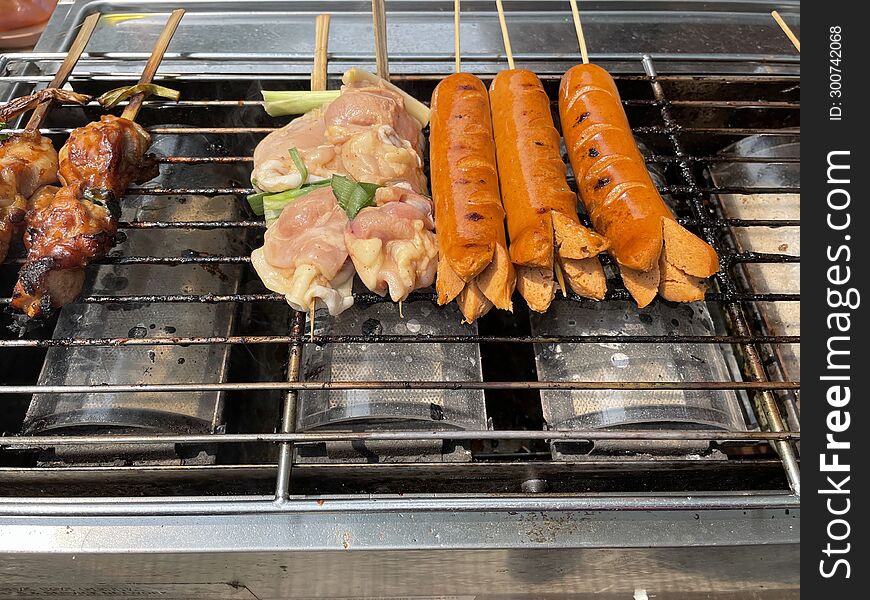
(465, 518)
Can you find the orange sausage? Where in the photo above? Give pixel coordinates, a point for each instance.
(655, 253)
(533, 177)
(612, 178)
(468, 210)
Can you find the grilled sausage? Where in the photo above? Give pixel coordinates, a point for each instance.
(654, 252)
(541, 209)
(468, 209)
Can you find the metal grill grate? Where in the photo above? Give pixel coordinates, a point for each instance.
(684, 121)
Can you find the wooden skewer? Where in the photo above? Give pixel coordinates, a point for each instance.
(311, 318)
(504, 34)
(560, 277)
(787, 30)
(575, 14)
(379, 21)
(456, 10)
(65, 70)
(154, 62)
(321, 42)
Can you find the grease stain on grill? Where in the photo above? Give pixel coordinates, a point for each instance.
(137, 332)
(372, 327)
(152, 356)
(436, 413)
(169, 329)
(180, 361)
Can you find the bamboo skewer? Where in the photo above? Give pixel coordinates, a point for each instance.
(379, 22)
(456, 10)
(318, 83)
(786, 30)
(154, 62)
(578, 26)
(65, 70)
(321, 43)
(504, 34)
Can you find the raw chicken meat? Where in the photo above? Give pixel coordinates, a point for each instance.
(304, 255)
(393, 245)
(311, 251)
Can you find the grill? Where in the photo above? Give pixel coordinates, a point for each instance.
(253, 368)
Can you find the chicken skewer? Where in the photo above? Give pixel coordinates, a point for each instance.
(28, 160)
(76, 224)
(343, 191)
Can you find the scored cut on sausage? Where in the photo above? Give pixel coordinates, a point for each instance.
(654, 252)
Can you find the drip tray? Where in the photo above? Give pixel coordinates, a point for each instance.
(398, 409)
(632, 362)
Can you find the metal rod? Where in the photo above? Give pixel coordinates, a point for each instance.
(372, 298)
(400, 339)
(261, 225)
(743, 257)
(402, 385)
(288, 416)
(349, 504)
(285, 438)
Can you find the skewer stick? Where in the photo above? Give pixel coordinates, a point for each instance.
(311, 318)
(65, 70)
(575, 14)
(786, 30)
(379, 22)
(456, 10)
(154, 62)
(321, 41)
(560, 277)
(504, 34)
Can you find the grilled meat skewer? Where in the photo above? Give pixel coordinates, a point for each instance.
(28, 161)
(76, 225)
(71, 227)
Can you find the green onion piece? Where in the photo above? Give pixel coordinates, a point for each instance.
(353, 196)
(113, 97)
(273, 204)
(3, 136)
(300, 164)
(279, 103)
(256, 202)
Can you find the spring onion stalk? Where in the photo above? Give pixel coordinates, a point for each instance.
(279, 103)
(353, 196)
(415, 108)
(3, 136)
(113, 97)
(256, 202)
(300, 165)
